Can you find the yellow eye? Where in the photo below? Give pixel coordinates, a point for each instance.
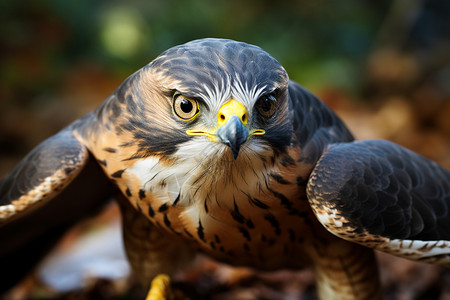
(185, 108)
(267, 106)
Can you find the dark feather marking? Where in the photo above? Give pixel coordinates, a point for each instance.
(153, 177)
(301, 214)
(196, 191)
(272, 160)
(188, 233)
(278, 178)
(200, 232)
(176, 232)
(203, 175)
(110, 150)
(249, 224)
(287, 161)
(163, 207)
(115, 111)
(120, 93)
(274, 222)
(244, 180)
(246, 248)
(108, 126)
(306, 160)
(134, 156)
(151, 212)
(141, 194)
(216, 237)
(166, 220)
(127, 126)
(128, 192)
(245, 233)
(301, 181)
(213, 245)
(119, 130)
(205, 205)
(216, 198)
(117, 174)
(68, 170)
(131, 105)
(127, 144)
(284, 200)
(164, 141)
(102, 162)
(222, 249)
(237, 216)
(129, 98)
(176, 200)
(266, 179)
(258, 203)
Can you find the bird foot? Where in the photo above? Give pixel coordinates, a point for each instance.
(161, 289)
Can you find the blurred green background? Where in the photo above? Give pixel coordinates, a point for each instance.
(310, 39)
(60, 59)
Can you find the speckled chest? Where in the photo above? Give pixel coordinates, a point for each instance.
(253, 215)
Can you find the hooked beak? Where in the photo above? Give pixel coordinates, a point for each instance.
(232, 130)
(233, 134)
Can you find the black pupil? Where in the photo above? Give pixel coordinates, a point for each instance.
(186, 106)
(266, 104)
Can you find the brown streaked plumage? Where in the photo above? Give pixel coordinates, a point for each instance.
(212, 148)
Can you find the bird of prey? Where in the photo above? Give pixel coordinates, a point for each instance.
(211, 148)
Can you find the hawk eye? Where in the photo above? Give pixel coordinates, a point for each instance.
(266, 106)
(185, 108)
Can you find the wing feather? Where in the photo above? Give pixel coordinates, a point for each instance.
(377, 193)
(55, 185)
(46, 170)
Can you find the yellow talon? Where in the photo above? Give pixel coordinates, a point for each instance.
(160, 288)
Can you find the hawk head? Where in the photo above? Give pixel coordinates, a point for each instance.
(209, 96)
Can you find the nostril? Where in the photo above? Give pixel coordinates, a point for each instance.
(244, 118)
(222, 117)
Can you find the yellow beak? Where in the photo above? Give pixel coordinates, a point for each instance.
(231, 127)
(232, 108)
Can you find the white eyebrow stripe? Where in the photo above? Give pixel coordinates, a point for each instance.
(223, 89)
(220, 93)
(247, 95)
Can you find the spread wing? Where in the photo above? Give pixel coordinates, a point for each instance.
(51, 188)
(381, 195)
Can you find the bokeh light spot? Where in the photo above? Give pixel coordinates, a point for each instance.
(123, 32)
